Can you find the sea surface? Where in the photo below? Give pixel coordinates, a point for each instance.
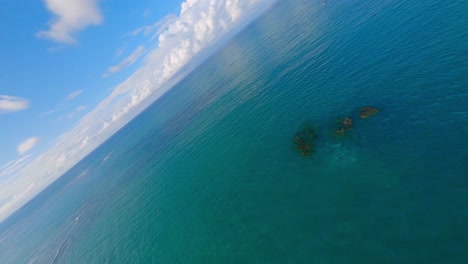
(209, 172)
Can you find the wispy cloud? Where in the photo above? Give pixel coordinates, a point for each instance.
(130, 60)
(81, 108)
(61, 106)
(147, 12)
(119, 52)
(77, 110)
(27, 145)
(155, 28)
(12, 103)
(70, 16)
(198, 26)
(14, 165)
(74, 95)
(51, 111)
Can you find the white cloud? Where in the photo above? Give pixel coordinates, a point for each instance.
(16, 196)
(74, 95)
(130, 60)
(12, 103)
(200, 24)
(70, 16)
(84, 142)
(27, 145)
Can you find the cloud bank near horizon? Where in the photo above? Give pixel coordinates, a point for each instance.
(176, 42)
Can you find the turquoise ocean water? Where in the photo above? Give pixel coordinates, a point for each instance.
(208, 174)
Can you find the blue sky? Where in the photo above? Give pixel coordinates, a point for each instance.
(45, 72)
(73, 72)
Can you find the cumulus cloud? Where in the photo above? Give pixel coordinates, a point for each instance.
(12, 103)
(74, 95)
(27, 145)
(70, 16)
(199, 25)
(130, 60)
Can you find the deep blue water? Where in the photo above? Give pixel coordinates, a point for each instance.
(209, 174)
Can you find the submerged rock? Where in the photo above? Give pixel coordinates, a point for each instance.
(346, 124)
(339, 132)
(303, 140)
(368, 111)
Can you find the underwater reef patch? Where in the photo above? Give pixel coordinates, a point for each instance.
(368, 111)
(304, 140)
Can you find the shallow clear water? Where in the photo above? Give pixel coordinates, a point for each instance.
(208, 174)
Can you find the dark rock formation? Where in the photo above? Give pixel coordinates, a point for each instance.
(345, 125)
(304, 140)
(368, 111)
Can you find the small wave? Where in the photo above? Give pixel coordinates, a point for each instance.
(84, 173)
(79, 177)
(60, 249)
(108, 156)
